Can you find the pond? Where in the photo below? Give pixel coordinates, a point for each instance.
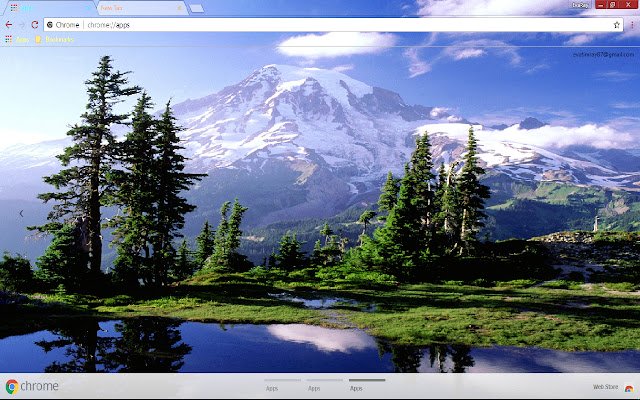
(323, 302)
(163, 345)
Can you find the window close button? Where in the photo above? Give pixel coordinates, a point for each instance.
(628, 4)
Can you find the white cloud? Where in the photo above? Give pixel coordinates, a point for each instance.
(479, 47)
(340, 340)
(625, 105)
(517, 8)
(464, 50)
(336, 44)
(439, 112)
(514, 115)
(615, 76)
(627, 124)
(537, 68)
(417, 66)
(579, 40)
(598, 136)
(462, 54)
(491, 7)
(343, 68)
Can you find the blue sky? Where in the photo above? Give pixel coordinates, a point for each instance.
(487, 78)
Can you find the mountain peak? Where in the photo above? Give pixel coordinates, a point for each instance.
(335, 83)
(532, 123)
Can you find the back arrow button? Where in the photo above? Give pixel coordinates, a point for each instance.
(8, 24)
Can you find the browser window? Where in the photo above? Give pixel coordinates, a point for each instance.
(367, 199)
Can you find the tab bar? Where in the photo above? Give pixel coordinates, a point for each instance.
(142, 8)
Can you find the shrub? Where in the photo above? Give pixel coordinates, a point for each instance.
(15, 273)
(610, 237)
(305, 275)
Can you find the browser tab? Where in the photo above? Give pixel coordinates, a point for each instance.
(159, 8)
(196, 8)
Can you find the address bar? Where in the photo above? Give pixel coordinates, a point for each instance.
(430, 24)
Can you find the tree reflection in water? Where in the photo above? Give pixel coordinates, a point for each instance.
(142, 345)
(442, 357)
(459, 355)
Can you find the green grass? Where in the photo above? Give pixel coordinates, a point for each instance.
(559, 315)
(563, 284)
(516, 283)
(541, 317)
(621, 286)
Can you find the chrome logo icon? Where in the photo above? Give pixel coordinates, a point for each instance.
(12, 386)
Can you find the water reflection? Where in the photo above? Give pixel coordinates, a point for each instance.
(84, 351)
(148, 345)
(441, 358)
(324, 339)
(162, 345)
(136, 345)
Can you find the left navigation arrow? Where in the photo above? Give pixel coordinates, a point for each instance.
(8, 24)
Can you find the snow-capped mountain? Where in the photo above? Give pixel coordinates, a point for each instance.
(332, 138)
(308, 115)
(322, 118)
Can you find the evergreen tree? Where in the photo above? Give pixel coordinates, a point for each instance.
(471, 195)
(421, 175)
(365, 219)
(272, 261)
(330, 254)
(219, 258)
(183, 266)
(227, 240)
(326, 231)
(438, 195)
(447, 219)
(389, 195)
(234, 233)
(62, 262)
(136, 197)
(171, 206)
(205, 245)
(407, 236)
(317, 257)
(289, 256)
(400, 242)
(82, 185)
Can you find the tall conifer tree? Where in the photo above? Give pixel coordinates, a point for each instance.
(227, 239)
(82, 185)
(205, 244)
(171, 205)
(400, 242)
(389, 195)
(421, 176)
(135, 195)
(472, 195)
